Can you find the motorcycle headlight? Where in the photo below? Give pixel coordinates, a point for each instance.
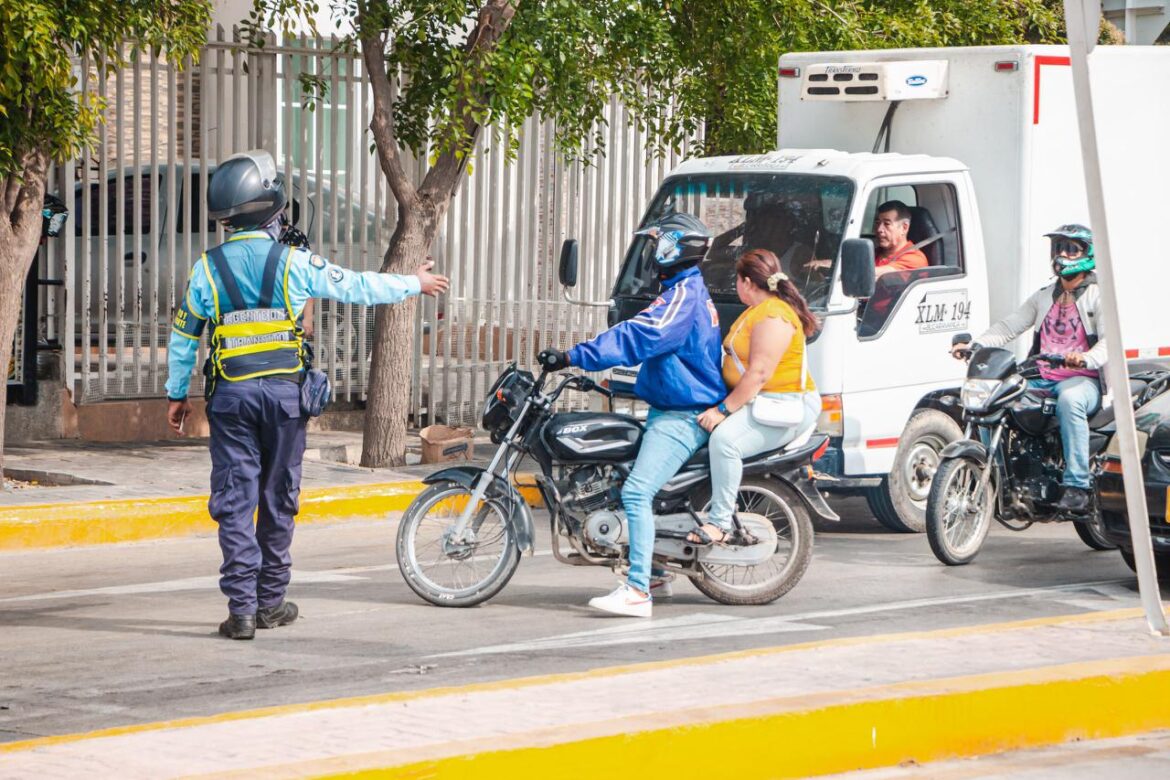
(977, 393)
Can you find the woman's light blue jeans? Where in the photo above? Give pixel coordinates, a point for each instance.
(1076, 399)
(671, 438)
(739, 437)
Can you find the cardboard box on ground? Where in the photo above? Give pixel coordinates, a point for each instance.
(442, 443)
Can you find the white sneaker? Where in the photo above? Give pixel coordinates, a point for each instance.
(623, 601)
(660, 587)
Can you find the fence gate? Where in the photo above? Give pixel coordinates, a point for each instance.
(139, 221)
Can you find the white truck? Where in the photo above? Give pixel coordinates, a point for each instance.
(982, 145)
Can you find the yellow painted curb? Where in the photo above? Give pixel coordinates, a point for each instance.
(520, 683)
(981, 715)
(136, 520)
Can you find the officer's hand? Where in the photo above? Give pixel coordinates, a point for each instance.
(431, 284)
(1074, 360)
(177, 413)
(553, 360)
(961, 351)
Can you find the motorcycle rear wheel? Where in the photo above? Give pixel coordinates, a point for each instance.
(957, 520)
(743, 585)
(450, 574)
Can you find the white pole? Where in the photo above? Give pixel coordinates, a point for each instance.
(1083, 18)
(1130, 23)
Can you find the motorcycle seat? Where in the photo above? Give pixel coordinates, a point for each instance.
(1105, 416)
(702, 455)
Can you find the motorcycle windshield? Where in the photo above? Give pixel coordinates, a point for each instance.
(799, 217)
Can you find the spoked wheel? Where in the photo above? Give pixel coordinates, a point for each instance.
(765, 582)
(450, 572)
(1092, 533)
(958, 512)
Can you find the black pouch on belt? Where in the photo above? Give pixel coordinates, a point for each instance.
(316, 392)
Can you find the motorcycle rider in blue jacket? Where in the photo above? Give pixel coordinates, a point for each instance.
(676, 340)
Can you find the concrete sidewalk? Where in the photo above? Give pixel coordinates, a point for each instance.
(96, 493)
(791, 711)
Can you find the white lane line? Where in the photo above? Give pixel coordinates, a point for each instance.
(350, 574)
(711, 625)
(171, 586)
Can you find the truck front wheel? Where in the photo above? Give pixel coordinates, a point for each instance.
(899, 503)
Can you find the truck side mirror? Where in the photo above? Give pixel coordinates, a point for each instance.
(568, 269)
(857, 267)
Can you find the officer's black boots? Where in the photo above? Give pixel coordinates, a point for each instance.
(238, 627)
(281, 615)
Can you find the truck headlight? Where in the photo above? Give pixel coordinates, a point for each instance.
(977, 393)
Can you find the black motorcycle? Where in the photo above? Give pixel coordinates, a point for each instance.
(1010, 463)
(460, 540)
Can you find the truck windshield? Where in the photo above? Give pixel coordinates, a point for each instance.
(799, 217)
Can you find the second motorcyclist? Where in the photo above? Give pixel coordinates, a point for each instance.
(677, 342)
(1064, 317)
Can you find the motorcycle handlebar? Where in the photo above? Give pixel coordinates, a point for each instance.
(1054, 360)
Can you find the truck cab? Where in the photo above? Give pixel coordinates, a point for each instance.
(880, 352)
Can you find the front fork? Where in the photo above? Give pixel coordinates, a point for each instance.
(463, 532)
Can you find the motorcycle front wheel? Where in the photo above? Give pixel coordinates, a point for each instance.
(1092, 533)
(451, 572)
(767, 581)
(958, 513)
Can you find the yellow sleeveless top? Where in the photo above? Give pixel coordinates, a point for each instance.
(786, 377)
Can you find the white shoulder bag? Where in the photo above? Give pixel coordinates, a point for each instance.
(780, 412)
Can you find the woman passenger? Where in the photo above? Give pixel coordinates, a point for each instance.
(763, 358)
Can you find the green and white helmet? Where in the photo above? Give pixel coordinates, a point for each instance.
(1062, 237)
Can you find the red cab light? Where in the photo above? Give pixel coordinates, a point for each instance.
(1007, 66)
(789, 73)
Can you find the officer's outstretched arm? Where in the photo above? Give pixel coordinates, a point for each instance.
(312, 276)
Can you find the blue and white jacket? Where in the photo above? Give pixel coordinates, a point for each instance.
(677, 341)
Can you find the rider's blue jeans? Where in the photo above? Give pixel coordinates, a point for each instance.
(1076, 399)
(671, 438)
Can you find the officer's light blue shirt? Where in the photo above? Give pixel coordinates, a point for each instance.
(309, 276)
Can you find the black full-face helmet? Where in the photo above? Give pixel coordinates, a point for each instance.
(682, 240)
(245, 191)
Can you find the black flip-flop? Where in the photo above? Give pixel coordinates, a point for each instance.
(703, 539)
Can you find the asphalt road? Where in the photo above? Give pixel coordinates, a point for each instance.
(108, 636)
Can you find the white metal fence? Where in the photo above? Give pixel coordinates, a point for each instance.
(139, 220)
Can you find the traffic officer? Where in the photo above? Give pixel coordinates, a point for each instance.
(252, 290)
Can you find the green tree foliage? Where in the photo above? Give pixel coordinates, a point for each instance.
(41, 116)
(728, 49)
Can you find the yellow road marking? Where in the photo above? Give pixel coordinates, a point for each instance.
(528, 682)
(106, 522)
(978, 715)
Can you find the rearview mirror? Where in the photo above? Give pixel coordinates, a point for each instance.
(568, 270)
(857, 267)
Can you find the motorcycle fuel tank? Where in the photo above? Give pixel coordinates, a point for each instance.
(593, 436)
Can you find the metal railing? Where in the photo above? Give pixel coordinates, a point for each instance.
(139, 221)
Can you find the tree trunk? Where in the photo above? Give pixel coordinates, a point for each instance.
(384, 433)
(420, 210)
(20, 232)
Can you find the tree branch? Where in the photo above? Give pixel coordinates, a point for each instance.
(382, 121)
(442, 178)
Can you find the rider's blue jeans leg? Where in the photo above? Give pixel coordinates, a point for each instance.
(671, 438)
(1076, 399)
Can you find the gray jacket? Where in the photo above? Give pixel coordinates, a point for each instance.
(1035, 309)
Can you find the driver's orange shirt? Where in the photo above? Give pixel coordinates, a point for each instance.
(906, 258)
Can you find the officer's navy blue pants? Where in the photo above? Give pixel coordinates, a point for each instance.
(257, 444)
